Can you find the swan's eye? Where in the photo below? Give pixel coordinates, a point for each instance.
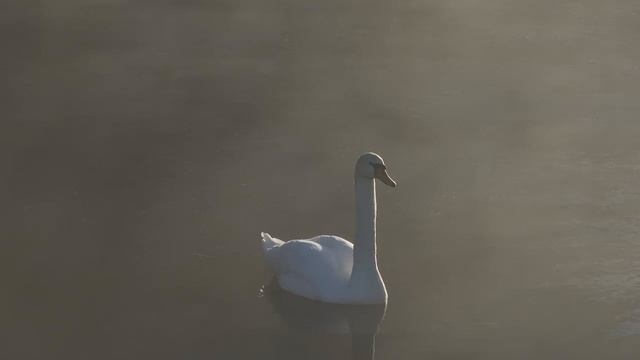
(376, 165)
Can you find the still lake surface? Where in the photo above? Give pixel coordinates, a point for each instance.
(147, 144)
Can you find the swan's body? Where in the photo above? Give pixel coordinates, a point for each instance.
(329, 268)
(317, 268)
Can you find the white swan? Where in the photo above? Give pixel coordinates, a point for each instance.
(329, 268)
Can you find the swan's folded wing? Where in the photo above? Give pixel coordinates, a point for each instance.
(339, 252)
(319, 256)
(292, 256)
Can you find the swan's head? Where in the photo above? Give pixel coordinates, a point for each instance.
(370, 166)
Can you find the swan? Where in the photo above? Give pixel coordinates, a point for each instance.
(329, 268)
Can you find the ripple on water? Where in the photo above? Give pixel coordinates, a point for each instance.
(629, 327)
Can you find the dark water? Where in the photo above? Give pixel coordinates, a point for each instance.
(145, 145)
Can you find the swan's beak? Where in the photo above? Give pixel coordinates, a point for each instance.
(380, 173)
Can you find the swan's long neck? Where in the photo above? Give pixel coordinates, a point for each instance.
(365, 264)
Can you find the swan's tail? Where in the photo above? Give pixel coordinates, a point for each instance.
(269, 242)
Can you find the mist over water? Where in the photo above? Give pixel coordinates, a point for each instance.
(146, 144)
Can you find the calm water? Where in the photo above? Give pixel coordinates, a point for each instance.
(146, 144)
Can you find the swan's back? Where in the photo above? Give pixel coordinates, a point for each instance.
(314, 268)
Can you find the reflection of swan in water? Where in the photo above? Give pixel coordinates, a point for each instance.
(313, 319)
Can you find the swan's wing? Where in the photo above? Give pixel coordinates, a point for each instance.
(292, 255)
(341, 253)
(325, 255)
(332, 241)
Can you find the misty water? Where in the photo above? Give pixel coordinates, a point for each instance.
(145, 145)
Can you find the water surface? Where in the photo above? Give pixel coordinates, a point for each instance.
(146, 144)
